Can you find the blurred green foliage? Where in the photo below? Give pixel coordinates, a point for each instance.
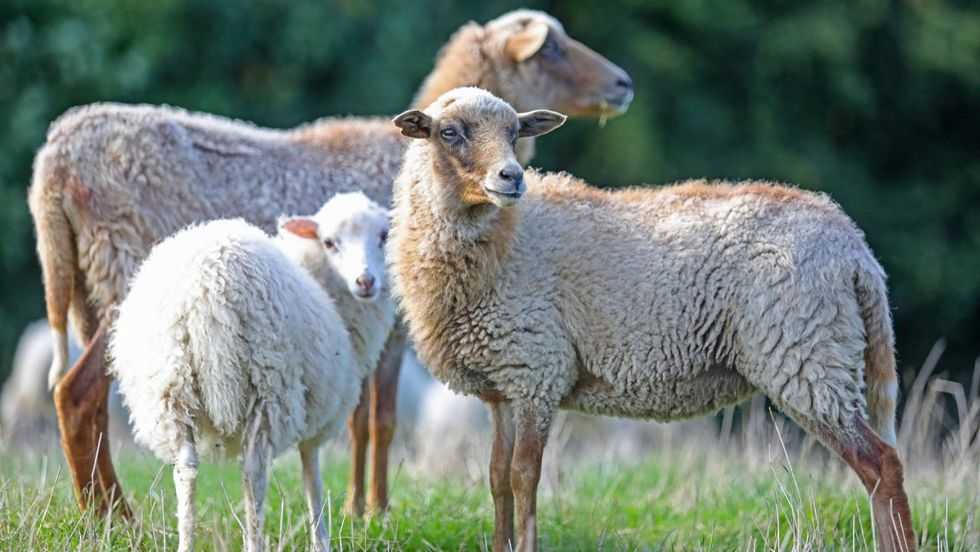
(875, 102)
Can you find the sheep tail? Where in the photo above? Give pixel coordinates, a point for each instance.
(57, 255)
(881, 378)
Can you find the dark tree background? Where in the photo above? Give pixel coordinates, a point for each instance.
(875, 102)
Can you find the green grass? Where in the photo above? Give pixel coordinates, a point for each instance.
(685, 497)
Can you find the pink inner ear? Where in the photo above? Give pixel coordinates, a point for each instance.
(302, 227)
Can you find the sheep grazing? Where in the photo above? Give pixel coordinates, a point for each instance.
(536, 292)
(112, 180)
(234, 343)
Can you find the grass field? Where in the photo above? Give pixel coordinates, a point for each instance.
(754, 484)
(686, 498)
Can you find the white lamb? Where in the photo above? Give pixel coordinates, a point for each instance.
(228, 345)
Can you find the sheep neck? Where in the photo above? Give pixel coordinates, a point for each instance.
(448, 256)
(357, 315)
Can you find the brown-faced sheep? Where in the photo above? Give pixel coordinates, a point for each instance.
(112, 180)
(537, 292)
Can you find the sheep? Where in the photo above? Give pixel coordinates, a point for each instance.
(112, 180)
(536, 292)
(26, 410)
(231, 343)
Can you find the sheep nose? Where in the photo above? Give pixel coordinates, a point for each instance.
(512, 174)
(624, 82)
(365, 282)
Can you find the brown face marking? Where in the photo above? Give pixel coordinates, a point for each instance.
(580, 82)
(482, 140)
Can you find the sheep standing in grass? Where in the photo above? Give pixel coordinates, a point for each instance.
(662, 304)
(234, 343)
(112, 180)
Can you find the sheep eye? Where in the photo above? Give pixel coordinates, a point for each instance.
(550, 49)
(448, 134)
(330, 244)
(384, 236)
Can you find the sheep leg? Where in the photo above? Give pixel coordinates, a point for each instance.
(357, 425)
(309, 454)
(384, 394)
(878, 466)
(255, 461)
(185, 483)
(531, 434)
(81, 401)
(501, 452)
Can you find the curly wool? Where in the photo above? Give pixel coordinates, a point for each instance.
(112, 180)
(653, 303)
(221, 328)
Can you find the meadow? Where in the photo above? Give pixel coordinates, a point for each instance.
(745, 480)
(874, 103)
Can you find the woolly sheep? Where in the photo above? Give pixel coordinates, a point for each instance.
(537, 292)
(227, 344)
(112, 180)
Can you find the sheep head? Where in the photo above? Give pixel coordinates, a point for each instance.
(349, 231)
(471, 137)
(542, 67)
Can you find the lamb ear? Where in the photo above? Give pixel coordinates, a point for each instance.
(414, 124)
(302, 227)
(538, 122)
(527, 42)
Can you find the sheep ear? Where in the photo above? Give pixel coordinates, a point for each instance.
(302, 227)
(414, 124)
(528, 41)
(538, 122)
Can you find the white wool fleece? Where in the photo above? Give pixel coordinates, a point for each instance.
(220, 327)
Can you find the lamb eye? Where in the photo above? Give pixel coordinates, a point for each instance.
(448, 134)
(384, 236)
(330, 244)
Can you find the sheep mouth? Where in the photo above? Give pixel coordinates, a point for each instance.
(366, 296)
(606, 106)
(510, 195)
(504, 199)
(615, 104)
(619, 105)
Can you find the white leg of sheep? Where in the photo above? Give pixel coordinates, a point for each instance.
(255, 461)
(185, 482)
(501, 453)
(309, 453)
